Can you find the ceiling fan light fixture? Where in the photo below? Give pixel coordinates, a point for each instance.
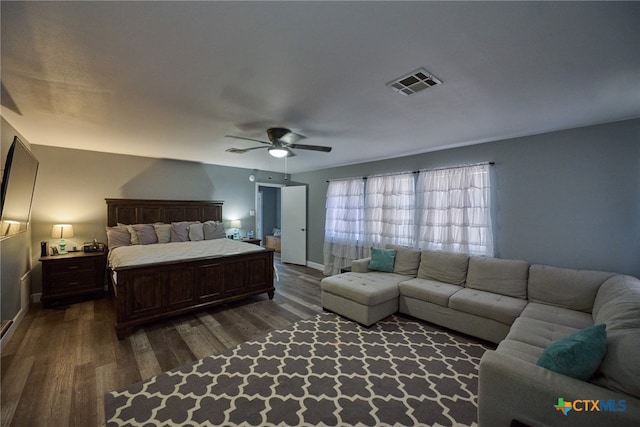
(278, 152)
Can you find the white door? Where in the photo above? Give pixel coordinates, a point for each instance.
(294, 225)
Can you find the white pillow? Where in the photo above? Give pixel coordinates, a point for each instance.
(195, 232)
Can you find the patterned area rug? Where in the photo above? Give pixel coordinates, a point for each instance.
(323, 371)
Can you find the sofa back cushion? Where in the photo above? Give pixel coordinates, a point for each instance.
(565, 287)
(501, 276)
(617, 303)
(447, 267)
(407, 260)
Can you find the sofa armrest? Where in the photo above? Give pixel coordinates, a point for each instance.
(360, 265)
(512, 389)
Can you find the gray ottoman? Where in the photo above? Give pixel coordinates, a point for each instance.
(362, 297)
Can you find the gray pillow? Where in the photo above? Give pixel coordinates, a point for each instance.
(180, 231)
(118, 236)
(163, 231)
(447, 267)
(146, 234)
(501, 276)
(213, 230)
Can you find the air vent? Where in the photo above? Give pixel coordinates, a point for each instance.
(414, 82)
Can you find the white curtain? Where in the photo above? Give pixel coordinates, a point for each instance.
(343, 230)
(454, 210)
(390, 211)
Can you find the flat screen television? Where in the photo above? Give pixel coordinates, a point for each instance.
(18, 183)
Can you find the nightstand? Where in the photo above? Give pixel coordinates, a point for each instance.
(72, 276)
(272, 243)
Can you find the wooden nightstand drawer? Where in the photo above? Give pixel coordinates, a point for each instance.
(72, 267)
(59, 283)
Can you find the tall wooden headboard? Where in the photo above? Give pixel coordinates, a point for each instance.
(143, 211)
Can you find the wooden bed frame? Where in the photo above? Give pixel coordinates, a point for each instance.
(149, 293)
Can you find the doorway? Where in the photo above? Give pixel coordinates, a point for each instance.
(281, 207)
(268, 209)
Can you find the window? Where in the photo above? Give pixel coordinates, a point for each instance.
(344, 222)
(454, 212)
(445, 209)
(390, 210)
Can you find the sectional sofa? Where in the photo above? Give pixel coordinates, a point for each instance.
(554, 363)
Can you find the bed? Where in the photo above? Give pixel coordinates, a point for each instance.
(148, 291)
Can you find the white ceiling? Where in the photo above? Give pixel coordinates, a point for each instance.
(170, 79)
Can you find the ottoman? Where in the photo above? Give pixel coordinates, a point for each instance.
(362, 297)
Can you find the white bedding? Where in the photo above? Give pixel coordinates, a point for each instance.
(137, 255)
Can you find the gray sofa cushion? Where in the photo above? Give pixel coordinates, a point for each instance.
(429, 290)
(565, 287)
(620, 368)
(365, 288)
(557, 315)
(501, 276)
(494, 306)
(407, 260)
(520, 350)
(445, 267)
(541, 333)
(617, 303)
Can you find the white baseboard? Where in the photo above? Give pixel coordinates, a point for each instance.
(16, 321)
(315, 265)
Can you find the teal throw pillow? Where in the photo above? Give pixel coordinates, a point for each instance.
(578, 355)
(382, 259)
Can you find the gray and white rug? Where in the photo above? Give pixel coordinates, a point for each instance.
(323, 371)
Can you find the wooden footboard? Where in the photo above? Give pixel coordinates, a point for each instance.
(149, 293)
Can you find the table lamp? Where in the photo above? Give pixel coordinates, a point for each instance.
(62, 231)
(235, 224)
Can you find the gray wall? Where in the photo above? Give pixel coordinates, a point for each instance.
(568, 198)
(14, 251)
(72, 186)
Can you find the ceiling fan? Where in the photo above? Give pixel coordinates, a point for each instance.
(282, 141)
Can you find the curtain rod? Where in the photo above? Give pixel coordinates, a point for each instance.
(418, 171)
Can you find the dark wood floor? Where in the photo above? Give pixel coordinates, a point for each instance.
(60, 362)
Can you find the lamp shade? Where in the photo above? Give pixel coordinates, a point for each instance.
(62, 231)
(235, 223)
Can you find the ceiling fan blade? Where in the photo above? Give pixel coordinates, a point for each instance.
(283, 135)
(242, 150)
(310, 147)
(292, 138)
(247, 139)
